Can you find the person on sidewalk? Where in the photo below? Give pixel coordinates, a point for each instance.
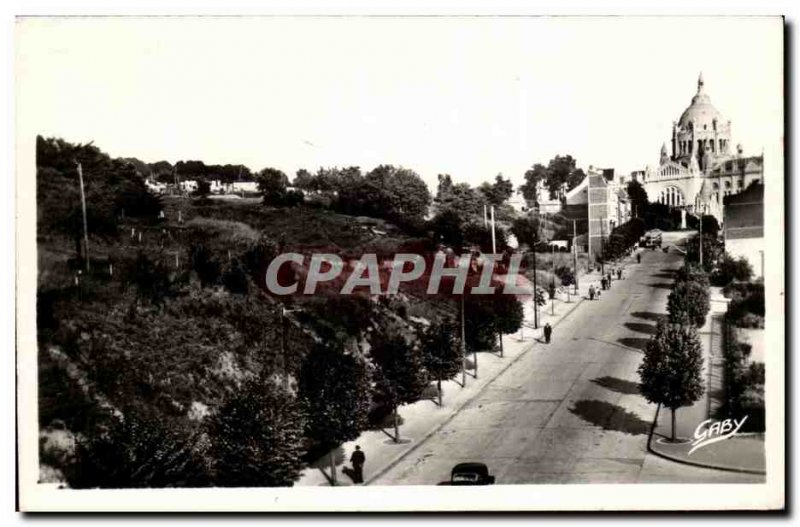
(591, 292)
(619, 273)
(603, 283)
(548, 331)
(357, 459)
(638, 258)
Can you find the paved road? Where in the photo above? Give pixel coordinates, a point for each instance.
(569, 412)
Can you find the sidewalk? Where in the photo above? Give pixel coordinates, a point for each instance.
(741, 453)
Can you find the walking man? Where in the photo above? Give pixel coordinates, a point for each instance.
(638, 258)
(357, 459)
(548, 331)
(591, 292)
(619, 273)
(603, 283)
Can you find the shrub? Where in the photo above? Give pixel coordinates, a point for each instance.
(688, 302)
(730, 269)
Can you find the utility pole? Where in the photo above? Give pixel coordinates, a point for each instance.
(602, 247)
(463, 347)
(701, 239)
(575, 256)
(553, 279)
(494, 242)
(85, 224)
(535, 289)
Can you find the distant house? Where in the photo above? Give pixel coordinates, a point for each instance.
(743, 226)
(242, 186)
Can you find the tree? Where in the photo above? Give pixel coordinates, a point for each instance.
(256, 437)
(402, 193)
(732, 269)
(203, 188)
(638, 198)
(487, 316)
(136, 450)
(710, 225)
(401, 377)
(304, 180)
(447, 228)
(688, 303)
(712, 251)
(334, 390)
(526, 230)
(204, 264)
(533, 175)
(441, 352)
(671, 373)
(498, 192)
(272, 184)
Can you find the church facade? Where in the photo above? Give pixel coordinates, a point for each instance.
(702, 166)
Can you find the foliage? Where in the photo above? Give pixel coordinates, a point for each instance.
(498, 192)
(235, 278)
(712, 251)
(692, 273)
(710, 225)
(208, 269)
(671, 372)
(623, 237)
(447, 228)
(526, 230)
(743, 381)
(136, 450)
(638, 198)
(688, 303)
(560, 174)
(334, 390)
(256, 437)
(747, 307)
(487, 316)
(272, 185)
(566, 275)
(731, 269)
(441, 350)
(401, 376)
(203, 188)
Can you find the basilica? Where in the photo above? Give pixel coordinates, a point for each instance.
(702, 166)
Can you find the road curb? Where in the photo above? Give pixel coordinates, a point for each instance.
(456, 410)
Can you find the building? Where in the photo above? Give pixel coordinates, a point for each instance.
(743, 226)
(702, 167)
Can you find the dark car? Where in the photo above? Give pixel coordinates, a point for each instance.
(471, 474)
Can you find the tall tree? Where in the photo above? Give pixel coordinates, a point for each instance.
(401, 376)
(498, 192)
(256, 437)
(334, 389)
(671, 373)
(533, 176)
(272, 184)
(688, 302)
(638, 198)
(441, 352)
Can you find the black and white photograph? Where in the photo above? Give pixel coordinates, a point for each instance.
(346, 263)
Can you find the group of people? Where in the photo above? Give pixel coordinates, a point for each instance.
(605, 281)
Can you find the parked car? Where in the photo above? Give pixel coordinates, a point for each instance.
(471, 474)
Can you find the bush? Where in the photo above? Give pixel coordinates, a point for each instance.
(566, 275)
(730, 269)
(256, 437)
(688, 302)
(743, 382)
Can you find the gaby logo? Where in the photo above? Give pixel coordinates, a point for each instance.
(710, 431)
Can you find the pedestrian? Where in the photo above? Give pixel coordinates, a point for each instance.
(608, 276)
(619, 274)
(638, 257)
(548, 330)
(603, 283)
(591, 292)
(357, 459)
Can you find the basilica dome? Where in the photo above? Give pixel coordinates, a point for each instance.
(701, 113)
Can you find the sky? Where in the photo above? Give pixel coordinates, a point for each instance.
(467, 96)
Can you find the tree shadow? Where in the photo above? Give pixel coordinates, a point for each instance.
(610, 417)
(649, 315)
(323, 463)
(647, 329)
(634, 342)
(669, 276)
(617, 385)
(662, 285)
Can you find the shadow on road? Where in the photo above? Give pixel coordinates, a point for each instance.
(617, 385)
(647, 329)
(648, 315)
(668, 276)
(662, 285)
(634, 342)
(610, 417)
